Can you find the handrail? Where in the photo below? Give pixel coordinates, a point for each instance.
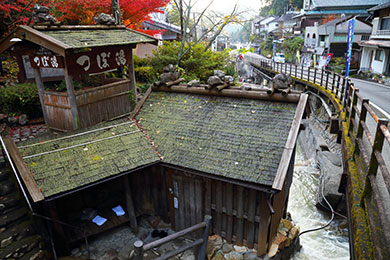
(369, 153)
(140, 248)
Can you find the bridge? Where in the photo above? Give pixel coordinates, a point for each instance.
(365, 140)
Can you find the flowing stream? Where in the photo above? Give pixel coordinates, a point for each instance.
(329, 243)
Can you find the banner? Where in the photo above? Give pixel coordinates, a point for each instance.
(351, 29)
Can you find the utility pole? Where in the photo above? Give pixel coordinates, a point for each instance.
(115, 11)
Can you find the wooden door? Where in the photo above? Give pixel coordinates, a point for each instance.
(187, 200)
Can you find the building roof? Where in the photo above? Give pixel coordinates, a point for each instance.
(59, 39)
(95, 38)
(376, 43)
(360, 12)
(236, 138)
(379, 7)
(344, 3)
(65, 162)
(287, 17)
(232, 137)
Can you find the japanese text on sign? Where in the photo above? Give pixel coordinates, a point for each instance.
(46, 61)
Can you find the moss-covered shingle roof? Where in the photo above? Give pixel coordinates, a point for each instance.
(73, 164)
(236, 138)
(232, 137)
(98, 37)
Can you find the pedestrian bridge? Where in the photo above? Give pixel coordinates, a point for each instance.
(365, 140)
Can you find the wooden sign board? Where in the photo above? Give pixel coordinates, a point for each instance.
(46, 72)
(98, 60)
(46, 61)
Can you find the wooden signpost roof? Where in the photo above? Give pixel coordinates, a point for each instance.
(62, 39)
(240, 139)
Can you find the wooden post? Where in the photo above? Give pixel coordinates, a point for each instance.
(61, 238)
(333, 75)
(308, 74)
(72, 99)
(327, 79)
(322, 76)
(315, 75)
(353, 112)
(129, 205)
(139, 250)
(373, 166)
(338, 85)
(205, 236)
(131, 75)
(360, 130)
(296, 68)
(39, 82)
(302, 72)
(290, 68)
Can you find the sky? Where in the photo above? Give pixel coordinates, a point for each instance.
(226, 6)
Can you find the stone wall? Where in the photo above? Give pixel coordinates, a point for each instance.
(18, 237)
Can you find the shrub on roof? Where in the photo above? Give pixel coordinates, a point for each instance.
(195, 64)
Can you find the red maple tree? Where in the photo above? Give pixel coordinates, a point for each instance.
(133, 12)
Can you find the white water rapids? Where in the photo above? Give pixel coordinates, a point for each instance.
(329, 243)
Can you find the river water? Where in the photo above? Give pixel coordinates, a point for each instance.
(329, 243)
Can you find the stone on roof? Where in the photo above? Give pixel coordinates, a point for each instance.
(236, 138)
(98, 37)
(124, 148)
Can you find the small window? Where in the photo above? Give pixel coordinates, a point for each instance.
(322, 37)
(385, 24)
(308, 35)
(379, 54)
(314, 35)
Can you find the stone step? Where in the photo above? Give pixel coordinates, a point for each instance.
(15, 233)
(14, 216)
(20, 248)
(9, 201)
(36, 254)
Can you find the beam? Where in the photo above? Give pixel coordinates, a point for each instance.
(290, 144)
(130, 205)
(39, 82)
(262, 95)
(24, 171)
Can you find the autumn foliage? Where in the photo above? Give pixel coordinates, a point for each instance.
(133, 12)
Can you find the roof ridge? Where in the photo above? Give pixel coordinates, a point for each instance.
(148, 138)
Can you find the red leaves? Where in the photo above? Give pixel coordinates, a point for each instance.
(80, 11)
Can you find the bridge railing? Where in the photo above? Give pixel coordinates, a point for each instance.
(367, 144)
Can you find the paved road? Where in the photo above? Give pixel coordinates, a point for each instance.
(378, 94)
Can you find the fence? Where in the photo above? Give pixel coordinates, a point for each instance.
(367, 146)
(140, 248)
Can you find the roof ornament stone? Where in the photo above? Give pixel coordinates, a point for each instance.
(41, 16)
(104, 19)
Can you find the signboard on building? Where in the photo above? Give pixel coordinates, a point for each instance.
(98, 60)
(46, 61)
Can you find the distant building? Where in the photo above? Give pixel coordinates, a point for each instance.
(376, 51)
(331, 37)
(261, 26)
(319, 10)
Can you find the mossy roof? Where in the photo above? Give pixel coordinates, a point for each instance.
(99, 37)
(74, 167)
(232, 137)
(237, 138)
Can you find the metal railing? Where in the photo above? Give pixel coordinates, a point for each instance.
(367, 145)
(140, 248)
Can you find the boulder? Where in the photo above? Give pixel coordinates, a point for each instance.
(194, 83)
(214, 81)
(23, 119)
(105, 19)
(273, 250)
(169, 68)
(227, 248)
(240, 249)
(219, 73)
(169, 76)
(234, 256)
(214, 244)
(229, 79)
(218, 256)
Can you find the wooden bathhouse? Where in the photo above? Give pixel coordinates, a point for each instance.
(71, 53)
(183, 153)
